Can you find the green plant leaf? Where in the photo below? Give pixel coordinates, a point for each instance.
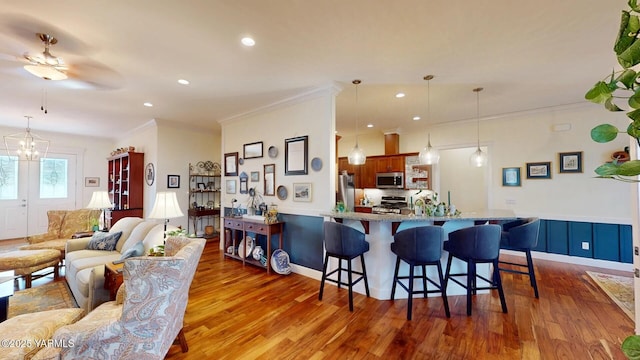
(604, 133)
(634, 100)
(609, 105)
(634, 115)
(623, 41)
(633, 4)
(600, 93)
(634, 129)
(607, 170)
(629, 168)
(628, 78)
(631, 347)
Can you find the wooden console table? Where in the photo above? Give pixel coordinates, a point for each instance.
(242, 226)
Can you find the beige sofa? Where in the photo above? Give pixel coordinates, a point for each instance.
(85, 268)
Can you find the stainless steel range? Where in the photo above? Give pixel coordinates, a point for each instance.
(390, 205)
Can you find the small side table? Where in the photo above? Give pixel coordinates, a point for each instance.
(113, 278)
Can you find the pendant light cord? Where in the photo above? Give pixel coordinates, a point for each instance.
(477, 91)
(356, 83)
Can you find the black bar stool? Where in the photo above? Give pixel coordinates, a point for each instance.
(344, 243)
(478, 244)
(521, 235)
(419, 246)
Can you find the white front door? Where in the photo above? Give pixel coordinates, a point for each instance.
(28, 189)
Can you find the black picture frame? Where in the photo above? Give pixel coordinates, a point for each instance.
(511, 176)
(570, 162)
(253, 150)
(202, 186)
(296, 155)
(539, 170)
(173, 181)
(231, 164)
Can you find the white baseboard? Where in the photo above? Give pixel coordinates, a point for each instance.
(577, 260)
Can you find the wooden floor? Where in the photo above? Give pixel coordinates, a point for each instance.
(241, 313)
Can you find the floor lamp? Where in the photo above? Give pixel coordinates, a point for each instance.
(166, 207)
(100, 200)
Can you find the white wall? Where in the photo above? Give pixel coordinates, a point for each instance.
(312, 115)
(513, 140)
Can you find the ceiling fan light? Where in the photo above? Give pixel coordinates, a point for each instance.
(45, 72)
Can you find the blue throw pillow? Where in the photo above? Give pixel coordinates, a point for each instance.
(135, 250)
(104, 241)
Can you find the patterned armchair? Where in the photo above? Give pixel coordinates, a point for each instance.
(148, 314)
(63, 225)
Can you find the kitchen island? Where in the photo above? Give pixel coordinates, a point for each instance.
(380, 261)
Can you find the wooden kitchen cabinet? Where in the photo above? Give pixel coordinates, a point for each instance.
(343, 165)
(393, 163)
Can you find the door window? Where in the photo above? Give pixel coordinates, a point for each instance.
(53, 178)
(8, 178)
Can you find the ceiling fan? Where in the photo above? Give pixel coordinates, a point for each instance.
(45, 65)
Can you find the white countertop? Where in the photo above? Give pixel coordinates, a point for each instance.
(489, 214)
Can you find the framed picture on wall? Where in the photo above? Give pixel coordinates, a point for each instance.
(296, 155)
(511, 176)
(231, 186)
(231, 164)
(92, 182)
(539, 170)
(570, 162)
(302, 192)
(255, 176)
(253, 150)
(173, 181)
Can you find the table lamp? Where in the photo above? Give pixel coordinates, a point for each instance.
(166, 207)
(100, 200)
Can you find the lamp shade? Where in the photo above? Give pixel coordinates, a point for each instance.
(166, 206)
(100, 200)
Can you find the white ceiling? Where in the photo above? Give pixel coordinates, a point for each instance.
(526, 54)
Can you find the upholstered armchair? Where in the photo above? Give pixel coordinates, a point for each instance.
(62, 226)
(148, 314)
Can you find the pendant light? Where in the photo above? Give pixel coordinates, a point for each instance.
(478, 158)
(428, 155)
(26, 146)
(357, 156)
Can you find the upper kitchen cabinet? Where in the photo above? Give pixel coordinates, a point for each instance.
(343, 165)
(390, 163)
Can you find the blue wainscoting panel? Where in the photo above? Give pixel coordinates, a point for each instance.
(626, 244)
(606, 242)
(303, 239)
(542, 237)
(579, 233)
(558, 237)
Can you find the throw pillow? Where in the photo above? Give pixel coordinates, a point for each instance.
(104, 241)
(135, 250)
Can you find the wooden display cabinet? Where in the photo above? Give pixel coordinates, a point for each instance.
(125, 185)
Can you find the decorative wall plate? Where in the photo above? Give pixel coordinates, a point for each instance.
(149, 174)
(241, 161)
(316, 164)
(273, 152)
(282, 192)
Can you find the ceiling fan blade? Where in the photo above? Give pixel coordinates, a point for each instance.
(95, 75)
(25, 29)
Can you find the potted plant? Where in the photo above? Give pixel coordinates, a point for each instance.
(623, 84)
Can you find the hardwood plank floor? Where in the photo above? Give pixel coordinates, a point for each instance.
(241, 313)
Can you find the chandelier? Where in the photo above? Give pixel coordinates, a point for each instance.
(26, 146)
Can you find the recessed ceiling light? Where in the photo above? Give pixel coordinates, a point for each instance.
(416, 118)
(400, 95)
(183, 82)
(247, 41)
(148, 104)
(369, 125)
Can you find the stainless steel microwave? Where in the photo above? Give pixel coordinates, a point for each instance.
(393, 180)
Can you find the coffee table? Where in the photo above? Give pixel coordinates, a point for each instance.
(6, 291)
